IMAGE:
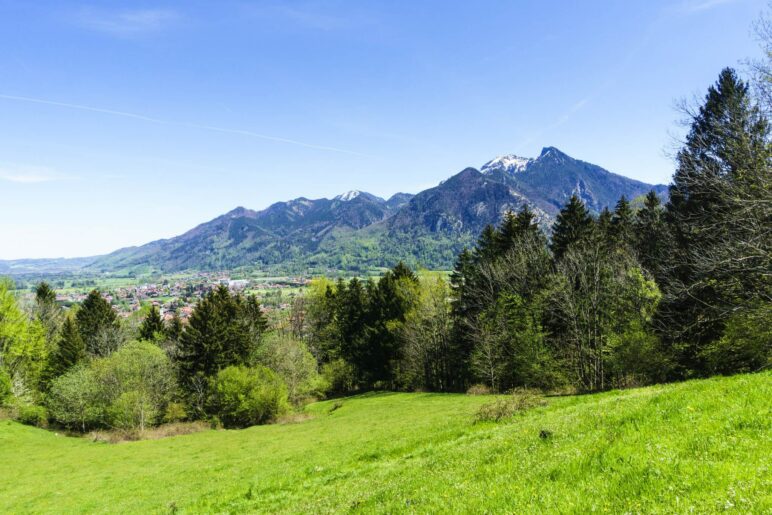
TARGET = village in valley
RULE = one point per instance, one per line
(179, 294)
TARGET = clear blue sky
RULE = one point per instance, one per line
(124, 122)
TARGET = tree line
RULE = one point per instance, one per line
(639, 294)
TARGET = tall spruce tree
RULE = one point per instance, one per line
(650, 235)
(216, 337)
(603, 226)
(98, 324)
(152, 327)
(44, 294)
(515, 227)
(719, 214)
(173, 328)
(622, 223)
(526, 222)
(70, 350)
(573, 224)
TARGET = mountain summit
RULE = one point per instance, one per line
(357, 228)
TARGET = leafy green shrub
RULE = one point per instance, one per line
(635, 357)
(519, 400)
(132, 410)
(32, 415)
(136, 382)
(130, 389)
(242, 396)
(297, 367)
(74, 399)
(6, 387)
(746, 345)
(175, 412)
(338, 376)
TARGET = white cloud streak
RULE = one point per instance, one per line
(28, 174)
(696, 6)
(127, 22)
(213, 128)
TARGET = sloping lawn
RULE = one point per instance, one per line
(702, 446)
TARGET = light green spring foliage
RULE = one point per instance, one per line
(22, 343)
(291, 360)
(244, 396)
(130, 390)
(73, 400)
(700, 446)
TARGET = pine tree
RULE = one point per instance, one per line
(461, 311)
(603, 226)
(70, 351)
(173, 328)
(152, 327)
(526, 221)
(351, 315)
(573, 224)
(514, 228)
(486, 249)
(719, 212)
(254, 319)
(97, 323)
(622, 223)
(215, 337)
(650, 234)
(507, 234)
(44, 294)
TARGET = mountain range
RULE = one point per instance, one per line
(358, 229)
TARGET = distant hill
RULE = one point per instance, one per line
(357, 229)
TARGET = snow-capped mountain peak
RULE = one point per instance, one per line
(349, 195)
(508, 163)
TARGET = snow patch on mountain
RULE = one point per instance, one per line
(349, 195)
(508, 163)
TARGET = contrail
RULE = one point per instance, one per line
(159, 121)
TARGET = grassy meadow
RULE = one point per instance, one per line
(700, 446)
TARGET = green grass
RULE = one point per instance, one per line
(699, 446)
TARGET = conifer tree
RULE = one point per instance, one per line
(69, 351)
(604, 225)
(351, 316)
(44, 294)
(507, 234)
(622, 223)
(486, 249)
(215, 337)
(97, 323)
(173, 328)
(572, 225)
(526, 221)
(253, 318)
(152, 326)
(514, 228)
(650, 234)
(719, 214)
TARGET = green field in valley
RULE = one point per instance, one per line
(700, 446)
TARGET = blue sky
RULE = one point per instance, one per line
(124, 122)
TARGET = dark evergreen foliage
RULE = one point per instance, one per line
(152, 326)
(223, 330)
(70, 351)
(572, 225)
(719, 215)
(96, 321)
